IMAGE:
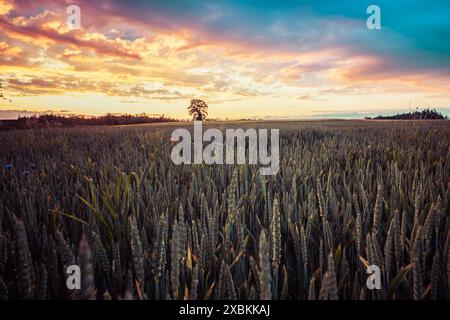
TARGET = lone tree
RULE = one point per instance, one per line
(198, 109)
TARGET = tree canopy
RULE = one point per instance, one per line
(426, 114)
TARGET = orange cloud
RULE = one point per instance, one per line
(5, 7)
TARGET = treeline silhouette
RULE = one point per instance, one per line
(52, 120)
(426, 114)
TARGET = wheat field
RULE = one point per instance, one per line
(348, 194)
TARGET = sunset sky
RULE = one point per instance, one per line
(258, 59)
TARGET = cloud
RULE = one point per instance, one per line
(47, 26)
(304, 52)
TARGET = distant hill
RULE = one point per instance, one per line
(426, 114)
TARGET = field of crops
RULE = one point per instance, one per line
(109, 199)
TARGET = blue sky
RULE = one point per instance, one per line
(243, 57)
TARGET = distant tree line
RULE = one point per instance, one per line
(51, 120)
(107, 119)
(426, 114)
